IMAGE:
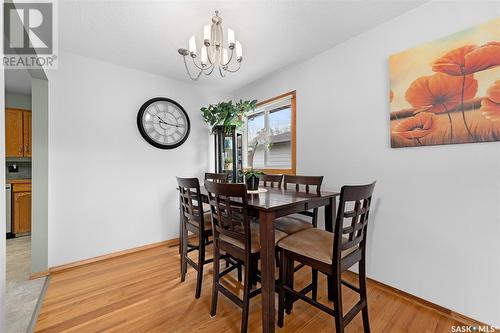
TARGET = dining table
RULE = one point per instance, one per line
(270, 204)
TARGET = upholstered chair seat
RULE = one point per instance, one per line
(313, 243)
(291, 224)
(255, 242)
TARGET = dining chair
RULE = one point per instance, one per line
(271, 180)
(217, 177)
(194, 220)
(295, 223)
(236, 236)
(222, 177)
(331, 254)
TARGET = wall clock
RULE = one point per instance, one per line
(163, 123)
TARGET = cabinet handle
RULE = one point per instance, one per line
(20, 150)
(27, 149)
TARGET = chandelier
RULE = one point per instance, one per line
(215, 53)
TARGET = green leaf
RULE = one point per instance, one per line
(227, 114)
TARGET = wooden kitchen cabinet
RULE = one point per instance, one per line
(18, 134)
(21, 213)
(27, 133)
(14, 135)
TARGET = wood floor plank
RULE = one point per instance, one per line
(142, 292)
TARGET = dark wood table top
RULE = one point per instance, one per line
(278, 198)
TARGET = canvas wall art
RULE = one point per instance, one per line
(447, 91)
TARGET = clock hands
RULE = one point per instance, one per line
(163, 121)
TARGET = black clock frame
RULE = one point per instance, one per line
(143, 131)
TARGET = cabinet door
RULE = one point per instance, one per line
(22, 212)
(13, 133)
(27, 133)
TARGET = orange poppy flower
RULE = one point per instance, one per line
(416, 127)
(469, 59)
(439, 93)
(490, 105)
(453, 61)
(493, 92)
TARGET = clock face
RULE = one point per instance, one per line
(163, 123)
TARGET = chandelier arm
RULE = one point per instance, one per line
(234, 70)
(230, 58)
(194, 78)
(212, 67)
(201, 68)
(221, 72)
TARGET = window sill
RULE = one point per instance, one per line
(278, 171)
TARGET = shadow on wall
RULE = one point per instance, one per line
(374, 209)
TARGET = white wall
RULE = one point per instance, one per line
(436, 217)
(109, 190)
(16, 100)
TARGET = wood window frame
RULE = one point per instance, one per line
(293, 103)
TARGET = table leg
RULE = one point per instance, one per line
(266, 220)
(181, 216)
(330, 214)
(329, 225)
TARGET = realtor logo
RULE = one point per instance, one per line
(29, 31)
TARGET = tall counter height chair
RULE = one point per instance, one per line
(194, 220)
(295, 223)
(235, 235)
(217, 177)
(331, 254)
(273, 181)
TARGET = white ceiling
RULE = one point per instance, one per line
(18, 81)
(146, 34)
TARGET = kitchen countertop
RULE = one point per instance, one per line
(18, 181)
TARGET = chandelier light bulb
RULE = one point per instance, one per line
(230, 37)
(204, 56)
(207, 34)
(192, 45)
(239, 51)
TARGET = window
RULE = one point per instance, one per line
(271, 135)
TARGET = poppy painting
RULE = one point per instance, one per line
(447, 91)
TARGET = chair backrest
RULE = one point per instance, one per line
(217, 177)
(190, 199)
(351, 224)
(303, 183)
(271, 180)
(228, 206)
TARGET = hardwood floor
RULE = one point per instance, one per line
(141, 292)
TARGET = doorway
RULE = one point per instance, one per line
(26, 173)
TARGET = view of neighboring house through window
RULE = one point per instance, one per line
(271, 135)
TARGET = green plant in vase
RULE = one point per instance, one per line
(252, 178)
(227, 114)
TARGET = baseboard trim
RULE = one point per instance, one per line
(37, 275)
(61, 268)
(38, 307)
(422, 302)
